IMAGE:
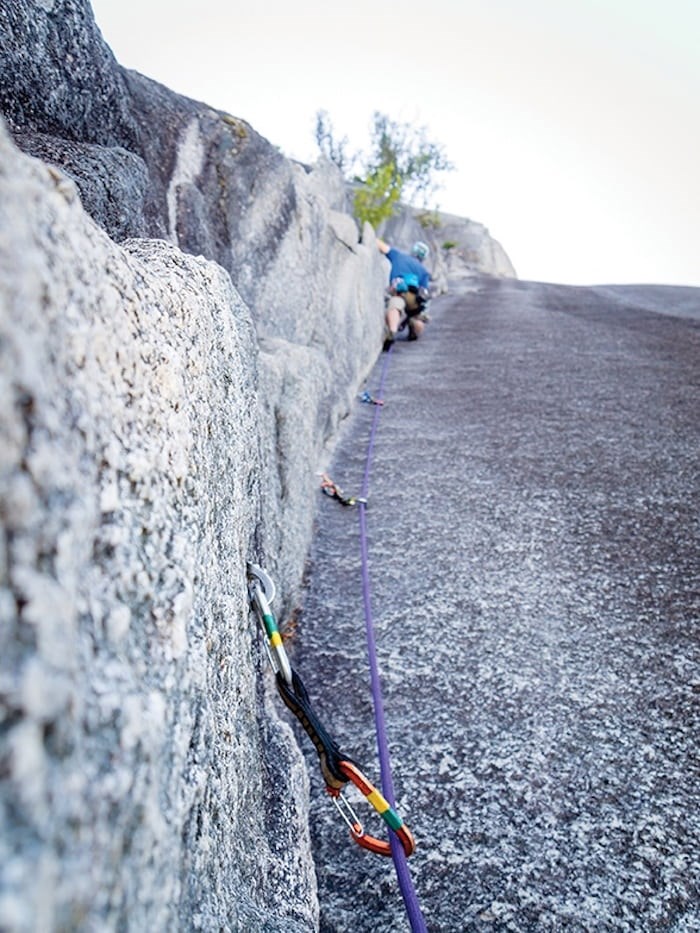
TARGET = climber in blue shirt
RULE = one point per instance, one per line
(408, 294)
(402, 263)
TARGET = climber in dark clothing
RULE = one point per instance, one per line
(409, 283)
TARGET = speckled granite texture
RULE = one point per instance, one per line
(145, 780)
(533, 523)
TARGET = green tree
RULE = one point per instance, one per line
(378, 195)
(415, 157)
(401, 165)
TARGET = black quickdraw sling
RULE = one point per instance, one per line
(337, 769)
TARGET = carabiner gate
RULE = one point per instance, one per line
(347, 813)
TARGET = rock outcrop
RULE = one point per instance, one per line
(150, 163)
(147, 782)
(185, 318)
(535, 606)
(156, 436)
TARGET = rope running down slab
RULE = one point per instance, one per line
(403, 875)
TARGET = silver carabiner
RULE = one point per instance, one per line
(268, 586)
(262, 593)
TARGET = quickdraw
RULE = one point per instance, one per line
(329, 488)
(337, 769)
(370, 399)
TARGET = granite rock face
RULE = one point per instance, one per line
(535, 584)
(152, 444)
(149, 162)
(147, 782)
(160, 433)
(161, 426)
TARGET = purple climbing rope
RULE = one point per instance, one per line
(403, 875)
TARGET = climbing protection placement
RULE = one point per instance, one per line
(337, 768)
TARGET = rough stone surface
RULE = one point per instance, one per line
(149, 162)
(161, 165)
(533, 539)
(160, 433)
(59, 77)
(147, 781)
(112, 183)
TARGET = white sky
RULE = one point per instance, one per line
(574, 125)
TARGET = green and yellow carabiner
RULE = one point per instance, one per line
(262, 592)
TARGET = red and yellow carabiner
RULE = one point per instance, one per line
(380, 804)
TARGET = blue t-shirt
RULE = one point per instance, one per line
(403, 264)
